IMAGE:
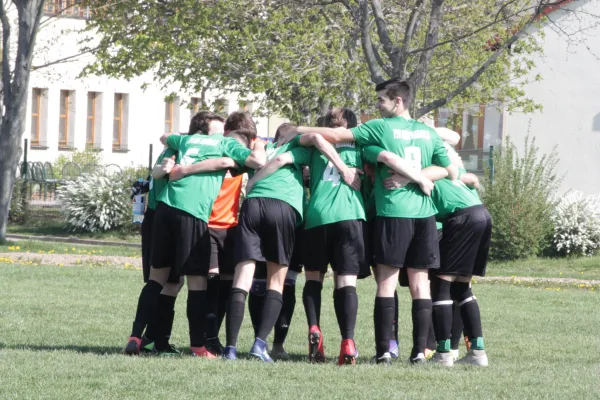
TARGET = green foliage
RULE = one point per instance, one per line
(81, 158)
(16, 212)
(298, 58)
(520, 198)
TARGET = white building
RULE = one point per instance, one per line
(113, 116)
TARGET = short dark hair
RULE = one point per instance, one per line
(340, 117)
(240, 120)
(398, 88)
(201, 120)
(242, 135)
(284, 130)
(321, 121)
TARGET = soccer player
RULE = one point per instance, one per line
(266, 233)
(221, 225)
(203, 121)
(405, 222)
(181, 239)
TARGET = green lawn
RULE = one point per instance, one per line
(579, 268)
(34, 246)
(43, 226)
(62, 330)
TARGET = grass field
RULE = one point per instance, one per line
(39, 247)
(578, 268)
(44, 226)
(62, 331)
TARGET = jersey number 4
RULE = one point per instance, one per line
(332, 174)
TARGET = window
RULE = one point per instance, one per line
(118, 121)
(220, 106)
(66, 120)
(36, 116)
(172, 114)
(66, 8)
(92, 138)
(245, 106)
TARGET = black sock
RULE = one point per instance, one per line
(285, 316)
(270, 313)
(339, 311)
(146, 308)
(396, 315)
(442, 313)
(311, 296)
(421, 318)
(384, 317)
(166, 314)
(431, 340)
(255, 307)
(235, 315)
(224, 293)
(196, 313)
(469, 309)
(349, 300)
(457, 327)
(212, 306)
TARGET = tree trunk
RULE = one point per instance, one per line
(11, 154)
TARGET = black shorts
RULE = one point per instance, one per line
(465, 243)
(407, 242)
(147, 227)
(369, 260)
(266, 231)
(298, 255)
(181, 242)
(340, 244)
(221, 249)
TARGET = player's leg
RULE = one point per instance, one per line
(256, 296)
(162, 258)
(442, 318)
(457, 331)
(212, 291)
(160, 327)
(284, 321)
(226, 272)
(247, 251)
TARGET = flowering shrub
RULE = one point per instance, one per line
(576, 225)
(95, 203)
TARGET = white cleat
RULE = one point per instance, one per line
(454, 354)
(475, 357)
(444, 359)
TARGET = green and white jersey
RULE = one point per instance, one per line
(157, 185)
(332, 200)
(285, 184)
(195, 194)
(449, 196)
(418, 144)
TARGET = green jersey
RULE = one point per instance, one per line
(331, 199)
(195, 194)
(418, 144)
(157, 185)
(368, 191)
(285, 184)
(449, 196)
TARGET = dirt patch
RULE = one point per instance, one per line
(70, 259)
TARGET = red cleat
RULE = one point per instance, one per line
(347, 353)
(133, 346)
(202, 352)
(316, 353)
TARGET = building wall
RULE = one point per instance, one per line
(570, 96)
(144, 121)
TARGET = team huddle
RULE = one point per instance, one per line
(389, 197)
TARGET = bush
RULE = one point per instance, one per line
(576, 225)
(520, 198)
(95, 203)
(16, 212)
(81, 158)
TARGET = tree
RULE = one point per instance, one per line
(300, 56)
(15, 89)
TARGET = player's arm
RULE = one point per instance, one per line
(433, 173)
(332, 135)
(279, 161)
(258, 157)
(470, 179)
(351, 176)
(401, 166)
(211, 164)
(448, 135)
(162, 169)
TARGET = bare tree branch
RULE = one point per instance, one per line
(415, 16)
(382, 31)
(65, 59)
(367, 45)
(468, 82)
(435, 19)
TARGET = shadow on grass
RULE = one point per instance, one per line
(100, 350)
